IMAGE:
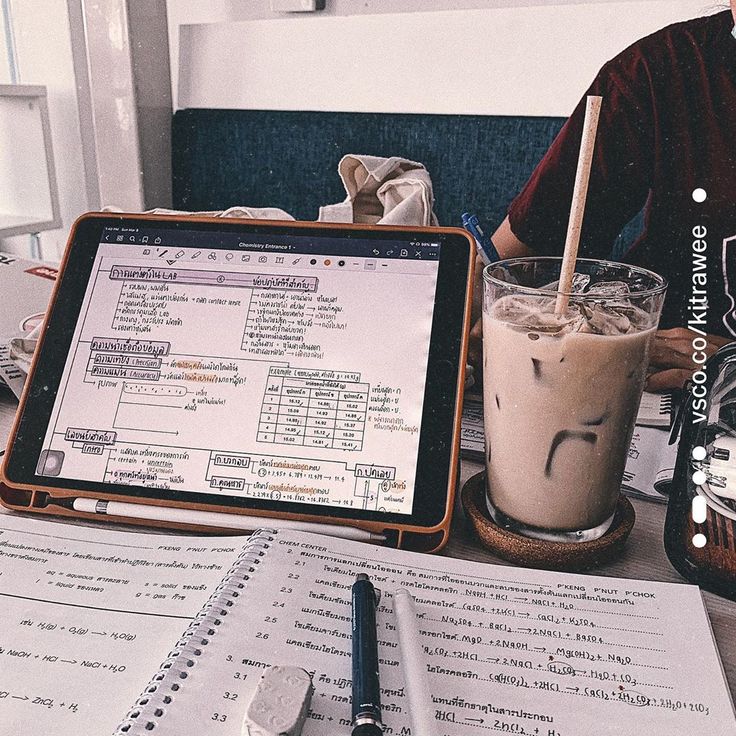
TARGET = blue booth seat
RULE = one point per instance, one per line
(260, 158)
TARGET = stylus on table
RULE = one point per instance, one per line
(413, 665)
(366, 687)
(212, 518)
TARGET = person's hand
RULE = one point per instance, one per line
(475, 349)
(671, 361)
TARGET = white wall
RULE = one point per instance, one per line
(44, 57)
(182, 12)
(493, 60)
(492, 57)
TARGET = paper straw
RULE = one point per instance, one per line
(413, 664)
(579, 194)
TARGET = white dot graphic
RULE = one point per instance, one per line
(699, 509)
(699, 477)
(699, 195)
(699, 540)
(699, 453)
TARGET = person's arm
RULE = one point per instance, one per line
(507, 244)
(537, 218)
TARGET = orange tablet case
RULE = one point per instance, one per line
(22, 497)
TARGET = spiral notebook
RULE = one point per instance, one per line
(88, 616)
(655, 410)
(507, 649)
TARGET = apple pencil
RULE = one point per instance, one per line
(414, 666)
(212, 518)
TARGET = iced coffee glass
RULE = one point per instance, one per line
(561, 390)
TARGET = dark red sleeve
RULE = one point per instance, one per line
(620, 175)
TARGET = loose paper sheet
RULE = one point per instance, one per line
(651, 464)
(10, 374)
(88, 615)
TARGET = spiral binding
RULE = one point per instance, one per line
(161, 691)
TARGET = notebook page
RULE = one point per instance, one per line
(521, 651)
(472, 439)
(650, 466)
(88, 615)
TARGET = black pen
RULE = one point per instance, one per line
(366, 688)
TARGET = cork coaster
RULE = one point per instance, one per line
(569, 556)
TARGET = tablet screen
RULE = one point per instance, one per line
(281, 367)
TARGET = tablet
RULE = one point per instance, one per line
(304, 370)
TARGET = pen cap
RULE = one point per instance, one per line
(366, 729)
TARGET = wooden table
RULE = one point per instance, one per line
(643, 558)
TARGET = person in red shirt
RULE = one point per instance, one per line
(666, 139)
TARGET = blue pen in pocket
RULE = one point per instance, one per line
(486, 250)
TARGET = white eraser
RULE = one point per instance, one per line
(280, 703)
